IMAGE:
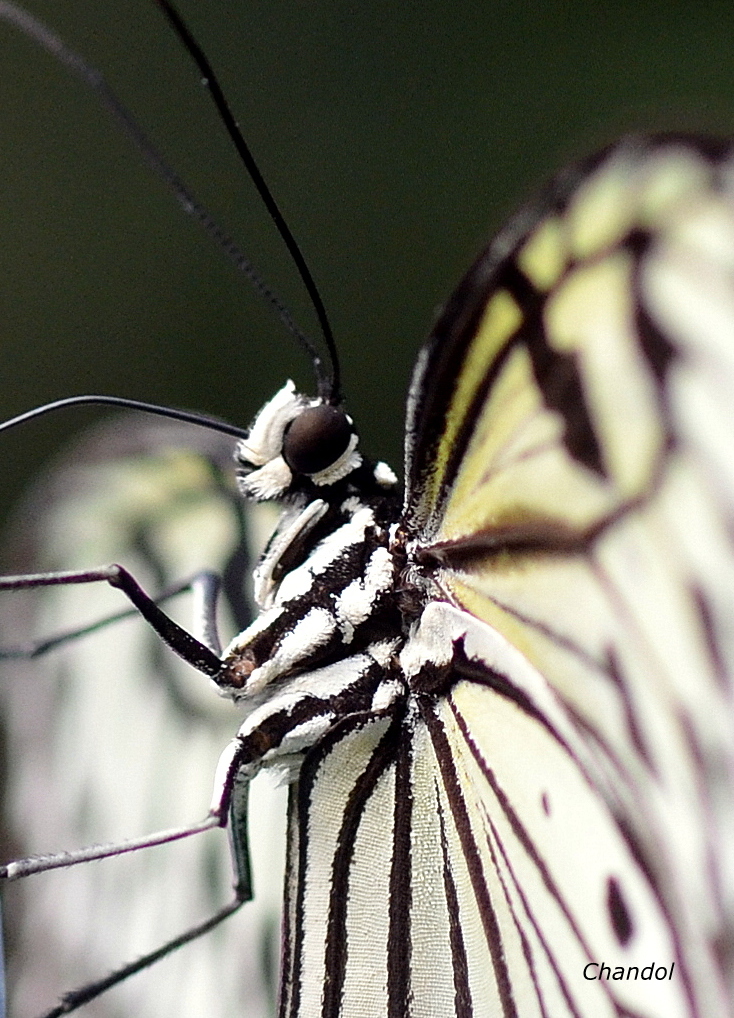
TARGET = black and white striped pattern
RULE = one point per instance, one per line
(447, 856)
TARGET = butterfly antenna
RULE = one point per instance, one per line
(51, 42)
(202, 420)
(243, 150)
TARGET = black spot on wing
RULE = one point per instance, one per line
(619, 914)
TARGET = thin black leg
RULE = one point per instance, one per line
(77, 998)
(37, 648)
(194, 651)
(235, 803)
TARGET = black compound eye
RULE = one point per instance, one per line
(316, 439)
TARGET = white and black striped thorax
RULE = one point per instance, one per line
(332, 620)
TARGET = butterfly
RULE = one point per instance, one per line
(501, 700)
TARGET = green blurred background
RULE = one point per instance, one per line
(396, 136)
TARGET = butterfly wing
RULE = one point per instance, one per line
(470, 838)
(110, 735)
(570, 485)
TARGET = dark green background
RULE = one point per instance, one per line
(396, 136)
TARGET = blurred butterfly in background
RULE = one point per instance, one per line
(160, 498)
(500, 701)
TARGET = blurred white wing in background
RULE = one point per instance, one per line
(111, 736)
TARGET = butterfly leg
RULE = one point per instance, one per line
(238, 798)
(204, 586)
(196, 652)
(84, 994)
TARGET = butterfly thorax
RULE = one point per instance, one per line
(334, 598)
(331, 621)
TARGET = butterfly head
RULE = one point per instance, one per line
(296, 442)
